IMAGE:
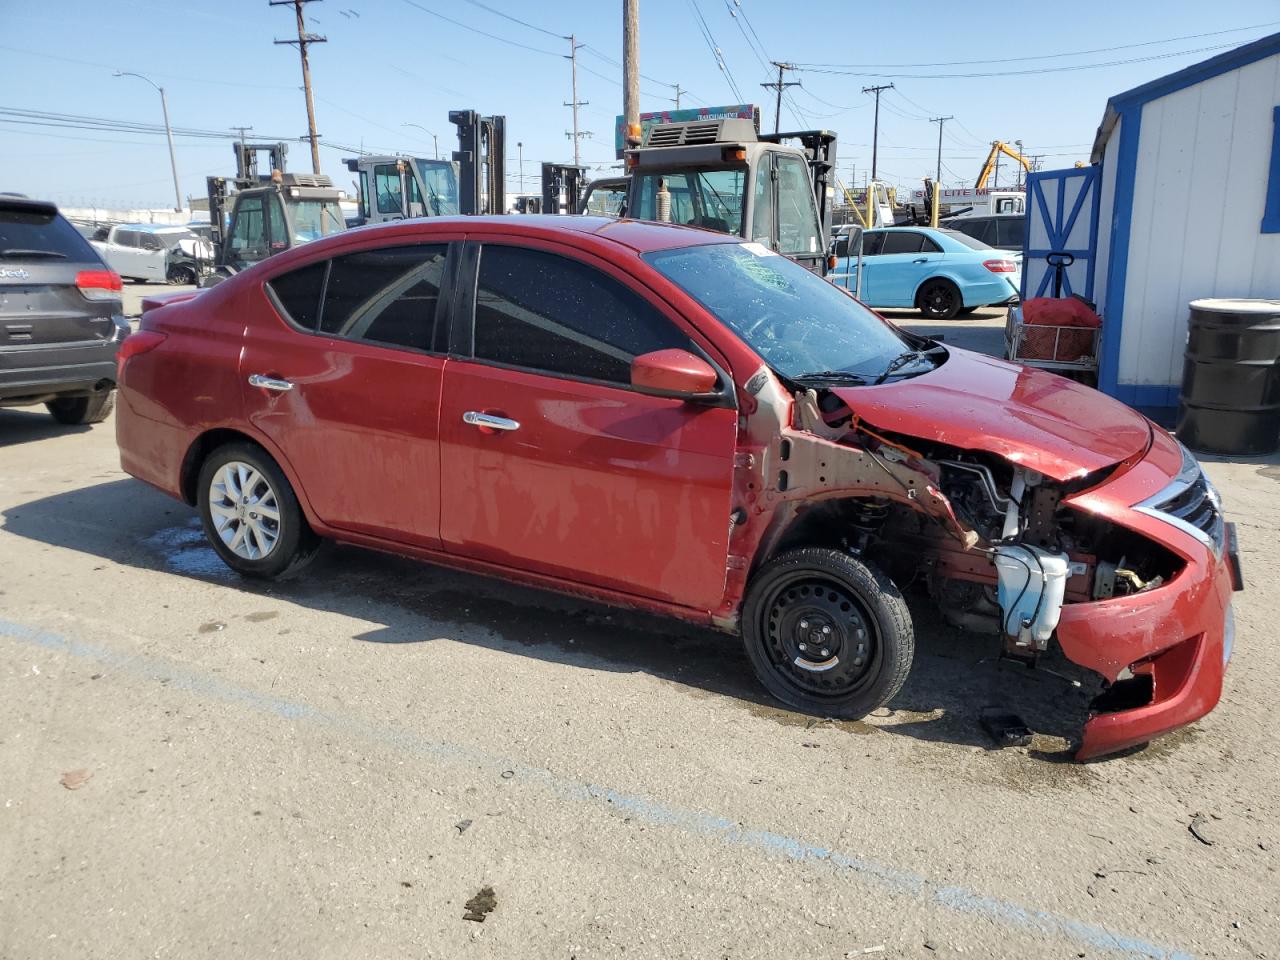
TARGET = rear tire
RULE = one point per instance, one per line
(251, 515)
(939, 300)
(827, 633)
(75, 411)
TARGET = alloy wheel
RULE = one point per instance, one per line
(244, 510)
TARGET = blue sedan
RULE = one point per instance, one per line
(942, 273)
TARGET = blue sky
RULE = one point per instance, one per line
(391, 62)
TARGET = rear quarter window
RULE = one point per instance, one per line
(41, 234)
(298, 293)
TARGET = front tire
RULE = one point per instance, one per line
(75, 411)
(251, 515)
(180, 274)
(827, 633)
(939, 300)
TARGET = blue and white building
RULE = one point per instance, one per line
(1182, 202)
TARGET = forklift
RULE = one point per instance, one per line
(562, 186)
(402, 188)
(775, 189)
(255, 215)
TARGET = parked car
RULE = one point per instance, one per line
(61, 315)
(155, 253)
(1001, 231)
(942, 273)
(659, 417)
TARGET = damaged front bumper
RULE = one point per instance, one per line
(1162, 652)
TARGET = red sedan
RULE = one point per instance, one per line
(662, 417)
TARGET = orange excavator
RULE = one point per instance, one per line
(998, 147)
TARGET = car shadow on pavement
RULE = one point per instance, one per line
(953, 680)
(26, 425)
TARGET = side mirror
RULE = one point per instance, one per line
(673, 373)
(842, 247)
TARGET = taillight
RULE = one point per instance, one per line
(135, 344)
(1000, 266)
(99, 284)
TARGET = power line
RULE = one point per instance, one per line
(507, 16)
(715, 49)
(1016, 73)
(1051, 56)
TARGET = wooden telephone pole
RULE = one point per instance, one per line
(780, 86)
(305, 40)
(875, 135)
(631, 73)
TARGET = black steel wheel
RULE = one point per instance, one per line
(939, 300)
(827, 633)
(182, 274)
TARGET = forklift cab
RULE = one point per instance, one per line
(268, 220)
(719, 175)
(401, 188)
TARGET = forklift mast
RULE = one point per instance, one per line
(247, 160)
(481, 162)
(562, 185)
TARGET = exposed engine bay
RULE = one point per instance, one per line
(994, 542)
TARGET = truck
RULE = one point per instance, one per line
(256, 215)
(774, 189)
(156, 253)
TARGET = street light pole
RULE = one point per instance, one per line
(168, 132)
(435, 142)
(520, 149)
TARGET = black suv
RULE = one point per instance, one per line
(61, 315)
(1005, 231)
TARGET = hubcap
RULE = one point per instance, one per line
(244, 510)
(820, 637)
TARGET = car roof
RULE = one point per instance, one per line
(640, 236)
(153, 227)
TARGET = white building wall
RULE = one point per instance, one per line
(1203, 162)
(1106, 204)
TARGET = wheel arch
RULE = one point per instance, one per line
(210, 440)
(945, 276)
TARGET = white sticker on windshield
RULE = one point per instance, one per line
(759, 249)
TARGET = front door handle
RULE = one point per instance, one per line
(269, 383)
(477, 419)
(921, 260)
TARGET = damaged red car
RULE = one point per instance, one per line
(660, 417)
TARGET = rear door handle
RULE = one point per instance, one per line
(269, 383)
(477, 419)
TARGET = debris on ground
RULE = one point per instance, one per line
(508, 774)
(480, 905)
(462, 826)
(1005, 728)
(1197, 825)
(75, 779)
(878, 948)
(213, 626)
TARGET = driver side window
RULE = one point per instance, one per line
(762, 214)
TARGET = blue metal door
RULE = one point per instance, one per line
(1061, 243)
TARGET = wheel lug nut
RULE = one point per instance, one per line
(804, 624)
(804, 647)
(826, 631)
(826, 652)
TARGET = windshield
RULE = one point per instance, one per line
(440, 183)
(605, 201)
(797, 322)
(313, 219)
(714, 199)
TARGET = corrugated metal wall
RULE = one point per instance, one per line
(1203, 163)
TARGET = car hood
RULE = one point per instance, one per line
(1036, 419)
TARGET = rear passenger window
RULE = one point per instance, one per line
(927, 245)
(548, 313)
(1011, 232)
(385, 296)
(902, 243)
(299, 293)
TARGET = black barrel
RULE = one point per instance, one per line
(1230, 399)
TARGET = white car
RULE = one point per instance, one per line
(158, 254)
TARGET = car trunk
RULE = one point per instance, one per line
(46, 306)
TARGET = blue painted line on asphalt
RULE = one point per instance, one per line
(958, 899)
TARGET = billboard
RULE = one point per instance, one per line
(744, 111)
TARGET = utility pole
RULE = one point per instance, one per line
(304, 40)
(996, 173)
(875, 135)
(574, 47)
(630, 75)
(168, 132)
(937, 177)
(1019, 171)
(520, 148)
(677, 96)
(780, 86)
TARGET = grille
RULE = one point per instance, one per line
(1195, 507)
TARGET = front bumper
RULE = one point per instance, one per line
(1164, 652)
